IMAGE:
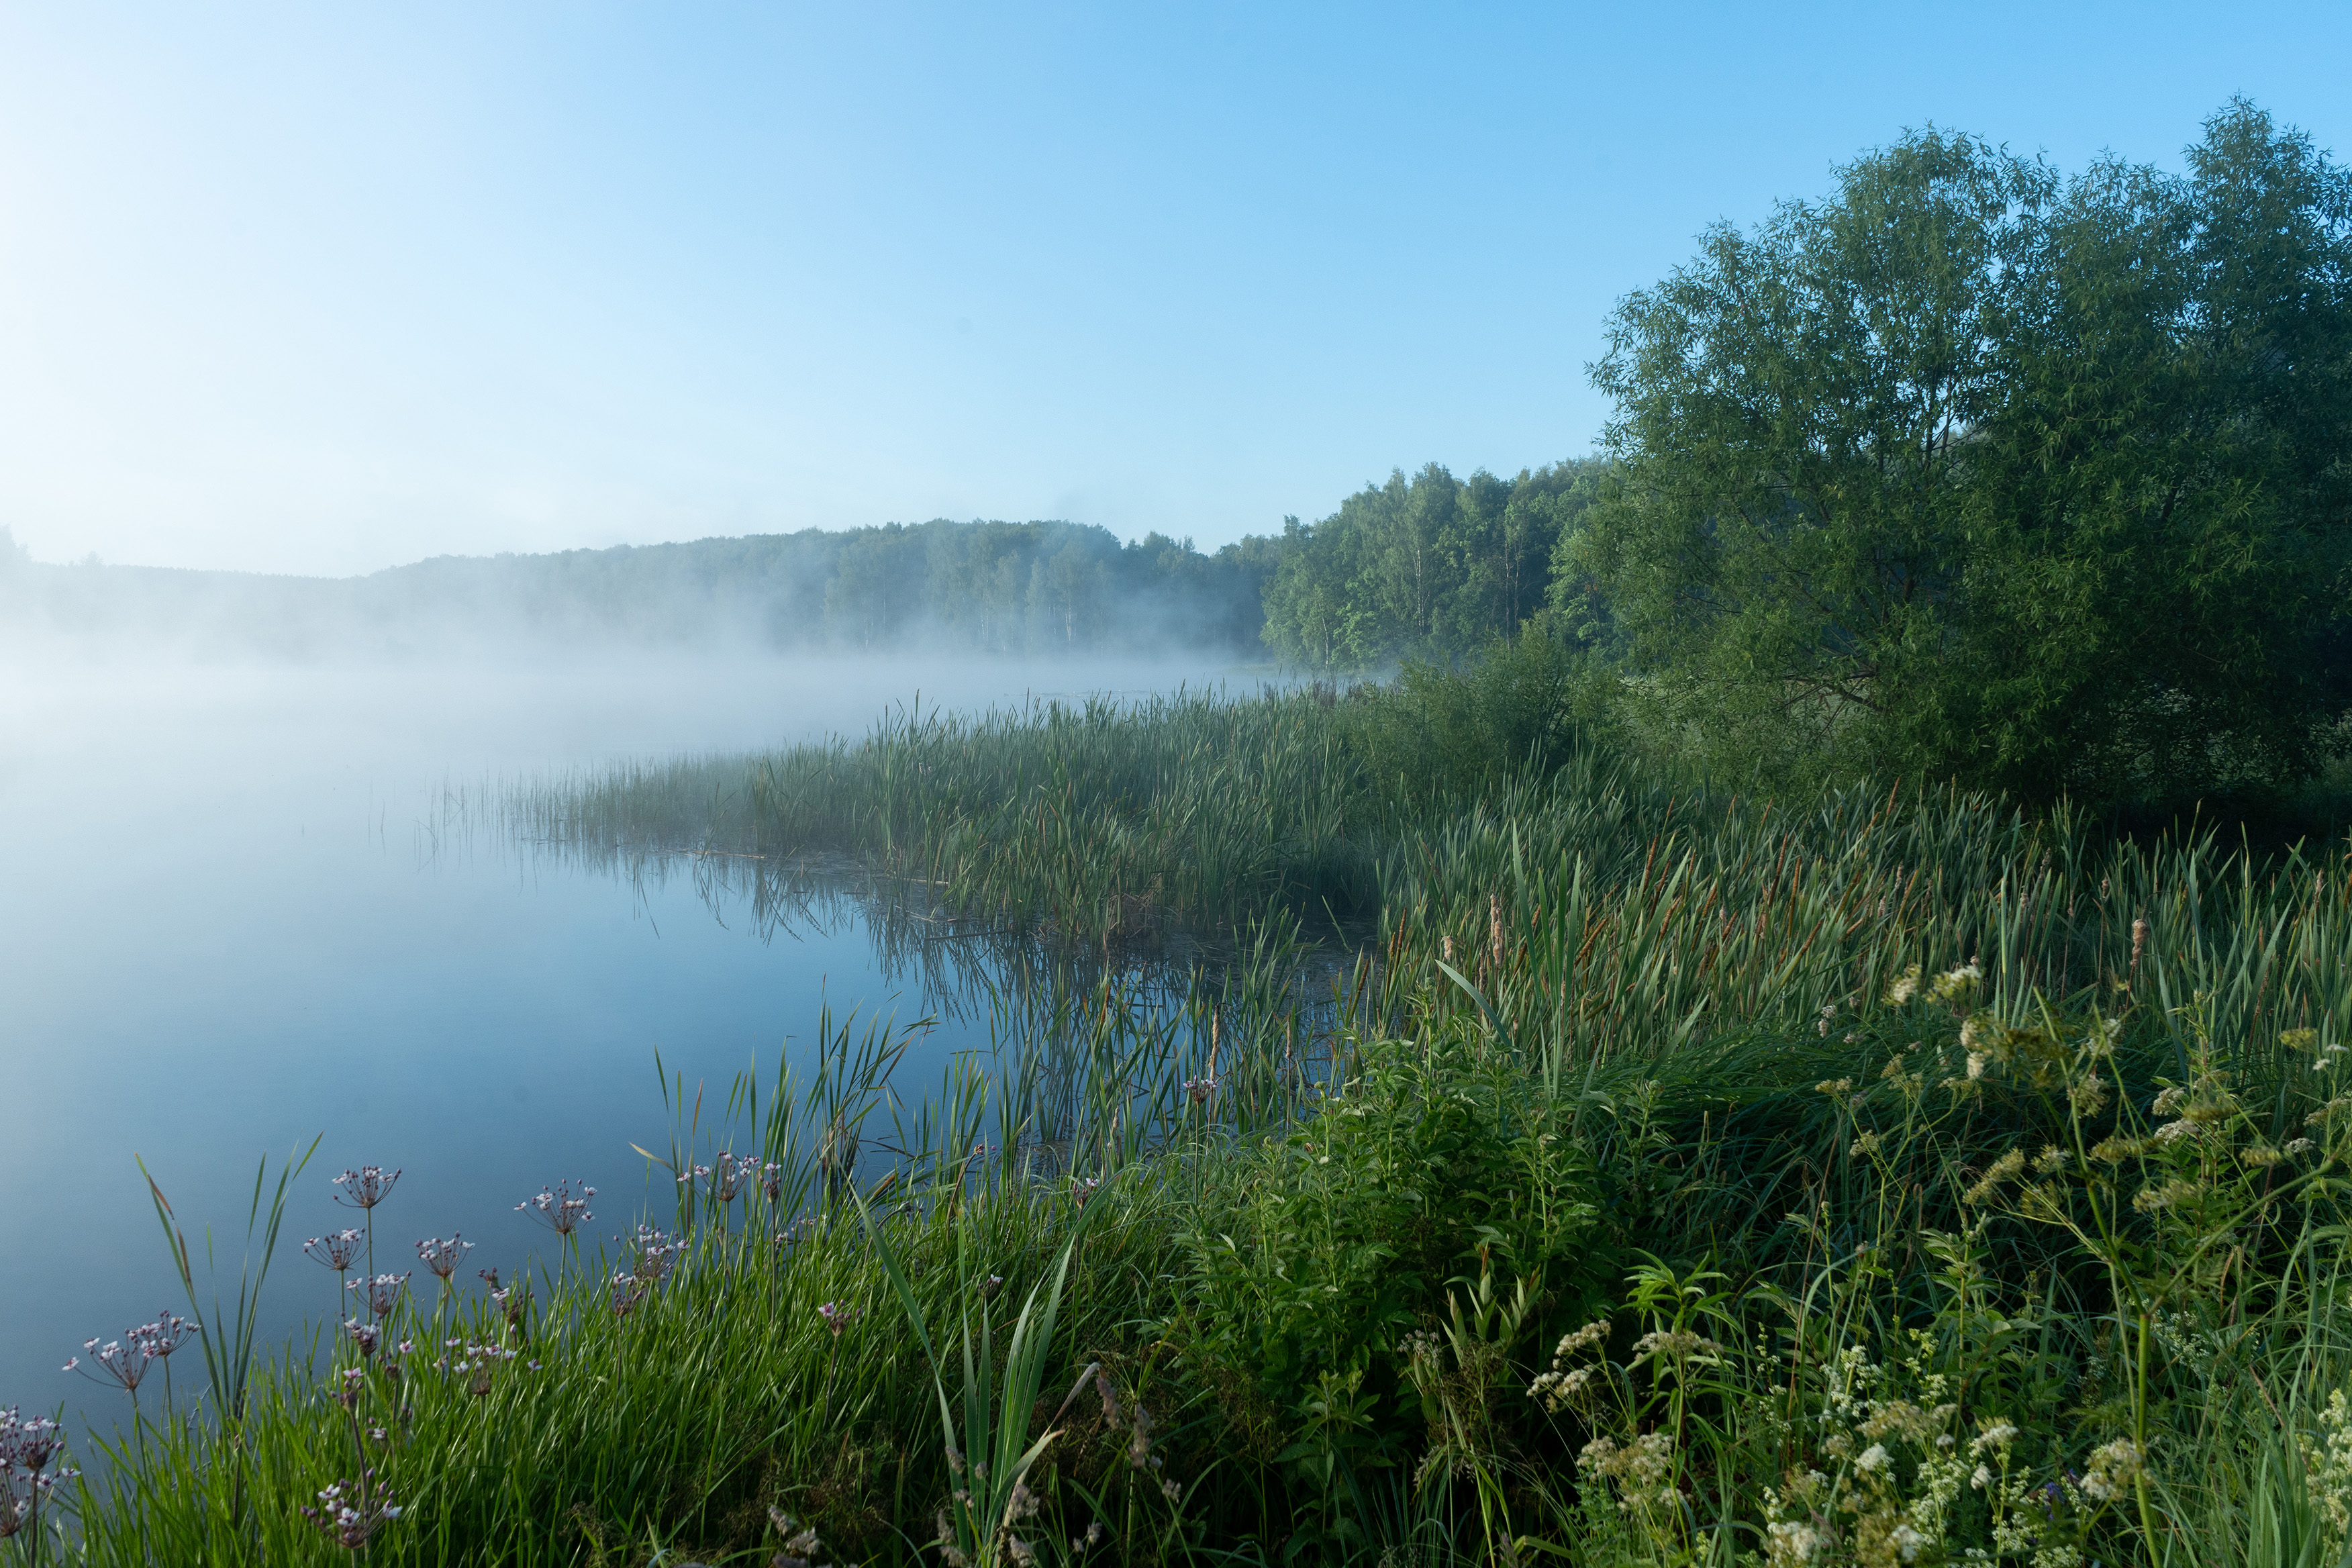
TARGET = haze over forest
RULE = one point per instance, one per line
(1422, 565)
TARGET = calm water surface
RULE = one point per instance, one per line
(232, 919)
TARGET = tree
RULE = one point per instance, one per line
(1426, 567)
(1971, 471)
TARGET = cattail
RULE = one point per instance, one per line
(1494, 927)
(2140, 941)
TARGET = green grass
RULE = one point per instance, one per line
(1615, 1051)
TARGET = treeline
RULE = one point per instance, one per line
(1970, 471)
(1427, 567)
(1045, 587)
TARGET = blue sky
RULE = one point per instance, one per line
(329, 287)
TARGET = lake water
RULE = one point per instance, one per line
(234, 916)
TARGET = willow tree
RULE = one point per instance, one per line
(1974, 471)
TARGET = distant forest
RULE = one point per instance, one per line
(1430, 567)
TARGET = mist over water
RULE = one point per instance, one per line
(247, 904)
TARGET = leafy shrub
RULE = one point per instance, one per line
(1522, 704)
(1434, 1163)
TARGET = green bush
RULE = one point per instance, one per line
(1522, 705)
(1433, 1165)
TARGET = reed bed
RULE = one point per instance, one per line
(1552, 1162)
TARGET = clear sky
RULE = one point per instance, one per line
(325, 287)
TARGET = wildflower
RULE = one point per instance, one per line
(656, 1254)
(442, 1257)
(2261, 1155)
(1864, 1146)
(1788, 1541)
(350, 1517)
(1873, 1457)
(26, 1447)
(1833, 1085)
(1905, 989)
(733, 1177)
(1976, 1064)
(381, 1292)
(2299, 1039)
(2112, 1469)
(1083, 1188)
(1982, 1477)
(1907, 1542)
(365, 1187)
(558, 1208)
(2299, 1147)
(1999, 1435)
(118, 1362)
(1200, 1089)
(836, 1317)
(1583, 1338)
(512, 1301)
(336, 1251)
(1556, 1390)
(367, 1336)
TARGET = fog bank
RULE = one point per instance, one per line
(997, 588)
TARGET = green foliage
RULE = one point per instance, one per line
(1431, 567)
(1521, 706)
(1972, 472)
(990, 1454)
(1773, 1136)
(1428, 1162)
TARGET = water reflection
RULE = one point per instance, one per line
(237, 913)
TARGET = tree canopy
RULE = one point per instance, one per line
(1975, 472)
(1430, 567)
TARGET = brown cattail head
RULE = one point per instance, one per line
(1494, 927)
(2140, 941)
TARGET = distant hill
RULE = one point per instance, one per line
(985, 587)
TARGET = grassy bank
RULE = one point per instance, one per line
(1677, 1176)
